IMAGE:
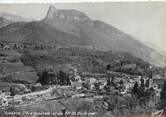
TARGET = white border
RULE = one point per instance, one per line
(73, 1)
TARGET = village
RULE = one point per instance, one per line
(88, 83)
(85, 85)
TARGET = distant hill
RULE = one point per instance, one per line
(14, 18)
(7, 18)
(38, 32)
(72, 27)
(4, 22)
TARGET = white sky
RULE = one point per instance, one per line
(146, 21)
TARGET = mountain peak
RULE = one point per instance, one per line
(51, 11)
(69, 15)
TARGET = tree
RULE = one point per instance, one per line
(135, 89)
(108, 67)
(143, 95)
(17, 89)
(63, 78)
(149, 95)
(97, 86)
(147, 83)
(108, 84)
(150, 73)
(163, 96)
(47, 77)
(138, 92)
(142, 86)
(121, 82)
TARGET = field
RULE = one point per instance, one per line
(15, 67)
(9, 53)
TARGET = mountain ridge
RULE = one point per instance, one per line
(4, 22)
(14, 17)
(105, 37)
(72, 27)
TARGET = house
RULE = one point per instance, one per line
(78, 95)
(98, 97)
(4, 94)
(6, 47)
(102, 84)
(18, 99)
(73, 75)
(76, 85)
(5, 98)
(159, 82)
(94, 75)
(90, 82)
(4, 102)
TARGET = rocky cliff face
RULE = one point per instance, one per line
(66, 15)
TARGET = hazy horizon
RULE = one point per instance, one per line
(144, 21)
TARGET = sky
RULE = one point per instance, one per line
(145, 21)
